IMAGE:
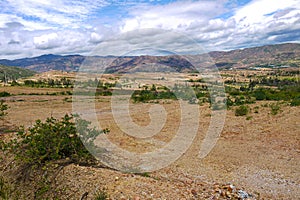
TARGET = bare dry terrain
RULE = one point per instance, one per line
(259, 155)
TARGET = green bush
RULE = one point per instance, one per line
(148, 95)
(295, 102)
(275, 108)
(3, 108)
(229, 102)
(232, 91)
(4, 94)
(242, 110)
(260, 95)
(14, 83)
(53, 140)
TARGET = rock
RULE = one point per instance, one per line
(228, 194)
(194, 192)
(223, 194)
(218, 191)
(242, 194)
(216, 186)
(231, 188)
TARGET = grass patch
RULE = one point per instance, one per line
(101, 195)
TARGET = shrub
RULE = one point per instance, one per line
(229, 102)
(3, 108)
(295, 102)
(4, 94)
(249, 117)
(275, 108)
(102, 195)
(260, 95)
(53, 140)
(5, 190)
(242, 110)
(14, 83)
(148, 95)
(232, 91)
(256, 109)
(145, 174)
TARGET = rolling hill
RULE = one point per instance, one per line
(13, 73)
(280, 54)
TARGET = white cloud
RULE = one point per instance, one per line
(96, 38)
(28, 25)
(56, 12)
(260, 11)
(47, 41)
(34, 27)
(178, 15)
(259, 22)
(152, 40)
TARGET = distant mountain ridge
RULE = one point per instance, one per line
(279, 54)
(47, 62)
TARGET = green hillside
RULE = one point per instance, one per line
(13, 73)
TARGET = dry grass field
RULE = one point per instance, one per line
(258, 153)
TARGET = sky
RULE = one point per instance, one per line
(31, 28)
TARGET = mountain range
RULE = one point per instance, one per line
(276, 55)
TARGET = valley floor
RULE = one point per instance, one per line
(259, 156)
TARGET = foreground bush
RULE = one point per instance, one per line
(242, 110)
(53, 140)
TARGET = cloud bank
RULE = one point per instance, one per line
(32, 27)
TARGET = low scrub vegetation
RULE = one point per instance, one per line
(287, 93)
(5, 189)
(179, 91)
(43, 149)
(275, 108)
(5, 94)
(52, 83)
(241, 110)
(3, 108)
(54, 140)
(101, 195)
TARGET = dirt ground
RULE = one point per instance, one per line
(260, 155)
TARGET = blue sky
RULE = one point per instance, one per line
(32, 27)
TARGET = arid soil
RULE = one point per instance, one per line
(260, 155)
